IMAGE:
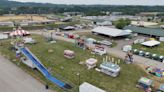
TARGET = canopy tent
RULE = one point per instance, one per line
(90, 40)
(19, 33)
(151, 43)
(86, 87)
(110, 31)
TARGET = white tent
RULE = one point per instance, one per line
(86, 87)
(110, 31)
(151, 43)
(127, 48)
(3, 36)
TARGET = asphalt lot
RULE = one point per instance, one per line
(14, 79)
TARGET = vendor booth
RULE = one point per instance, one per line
(69, 54)
(29, 40)
(100, 50)
(144, 83)
(127, 48)
(91, 63)
(110, 68)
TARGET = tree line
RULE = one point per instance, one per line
(13, 7)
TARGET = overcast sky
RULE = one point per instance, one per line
(111, 2)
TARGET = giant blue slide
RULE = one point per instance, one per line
(43, 70)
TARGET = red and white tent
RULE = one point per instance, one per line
(19, 33)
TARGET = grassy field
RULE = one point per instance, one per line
(22, 17)
(158, 49)
(67, 69)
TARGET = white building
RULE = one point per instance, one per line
(9, 24)
(86, 87)
(112, 32)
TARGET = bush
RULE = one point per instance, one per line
(121, 23)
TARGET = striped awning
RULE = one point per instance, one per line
(19, 33)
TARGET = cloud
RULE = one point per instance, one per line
(110, 2)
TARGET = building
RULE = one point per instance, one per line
(8, 24)
(111, 32)
(65, 27)
(104, 23)
(86, 87)
(156, 32)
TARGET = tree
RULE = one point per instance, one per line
(121, 23)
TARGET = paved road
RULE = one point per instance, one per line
(137, 59)
(14, 79)
(117, 52)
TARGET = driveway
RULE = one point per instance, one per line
(14, 79)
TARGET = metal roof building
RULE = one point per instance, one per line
(112, 32)
(147, 31)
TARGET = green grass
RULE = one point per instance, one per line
(158, 49)
(125, 82)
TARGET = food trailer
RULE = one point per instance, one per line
(110, 68)
(144, 83)
(69, 54)
(100, 50)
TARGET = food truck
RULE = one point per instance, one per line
(110, 68)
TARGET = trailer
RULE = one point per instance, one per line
(110, 68)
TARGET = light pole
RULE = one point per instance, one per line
(78, 74)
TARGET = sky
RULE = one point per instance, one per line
(106, 2)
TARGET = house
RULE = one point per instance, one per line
(111, 32)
